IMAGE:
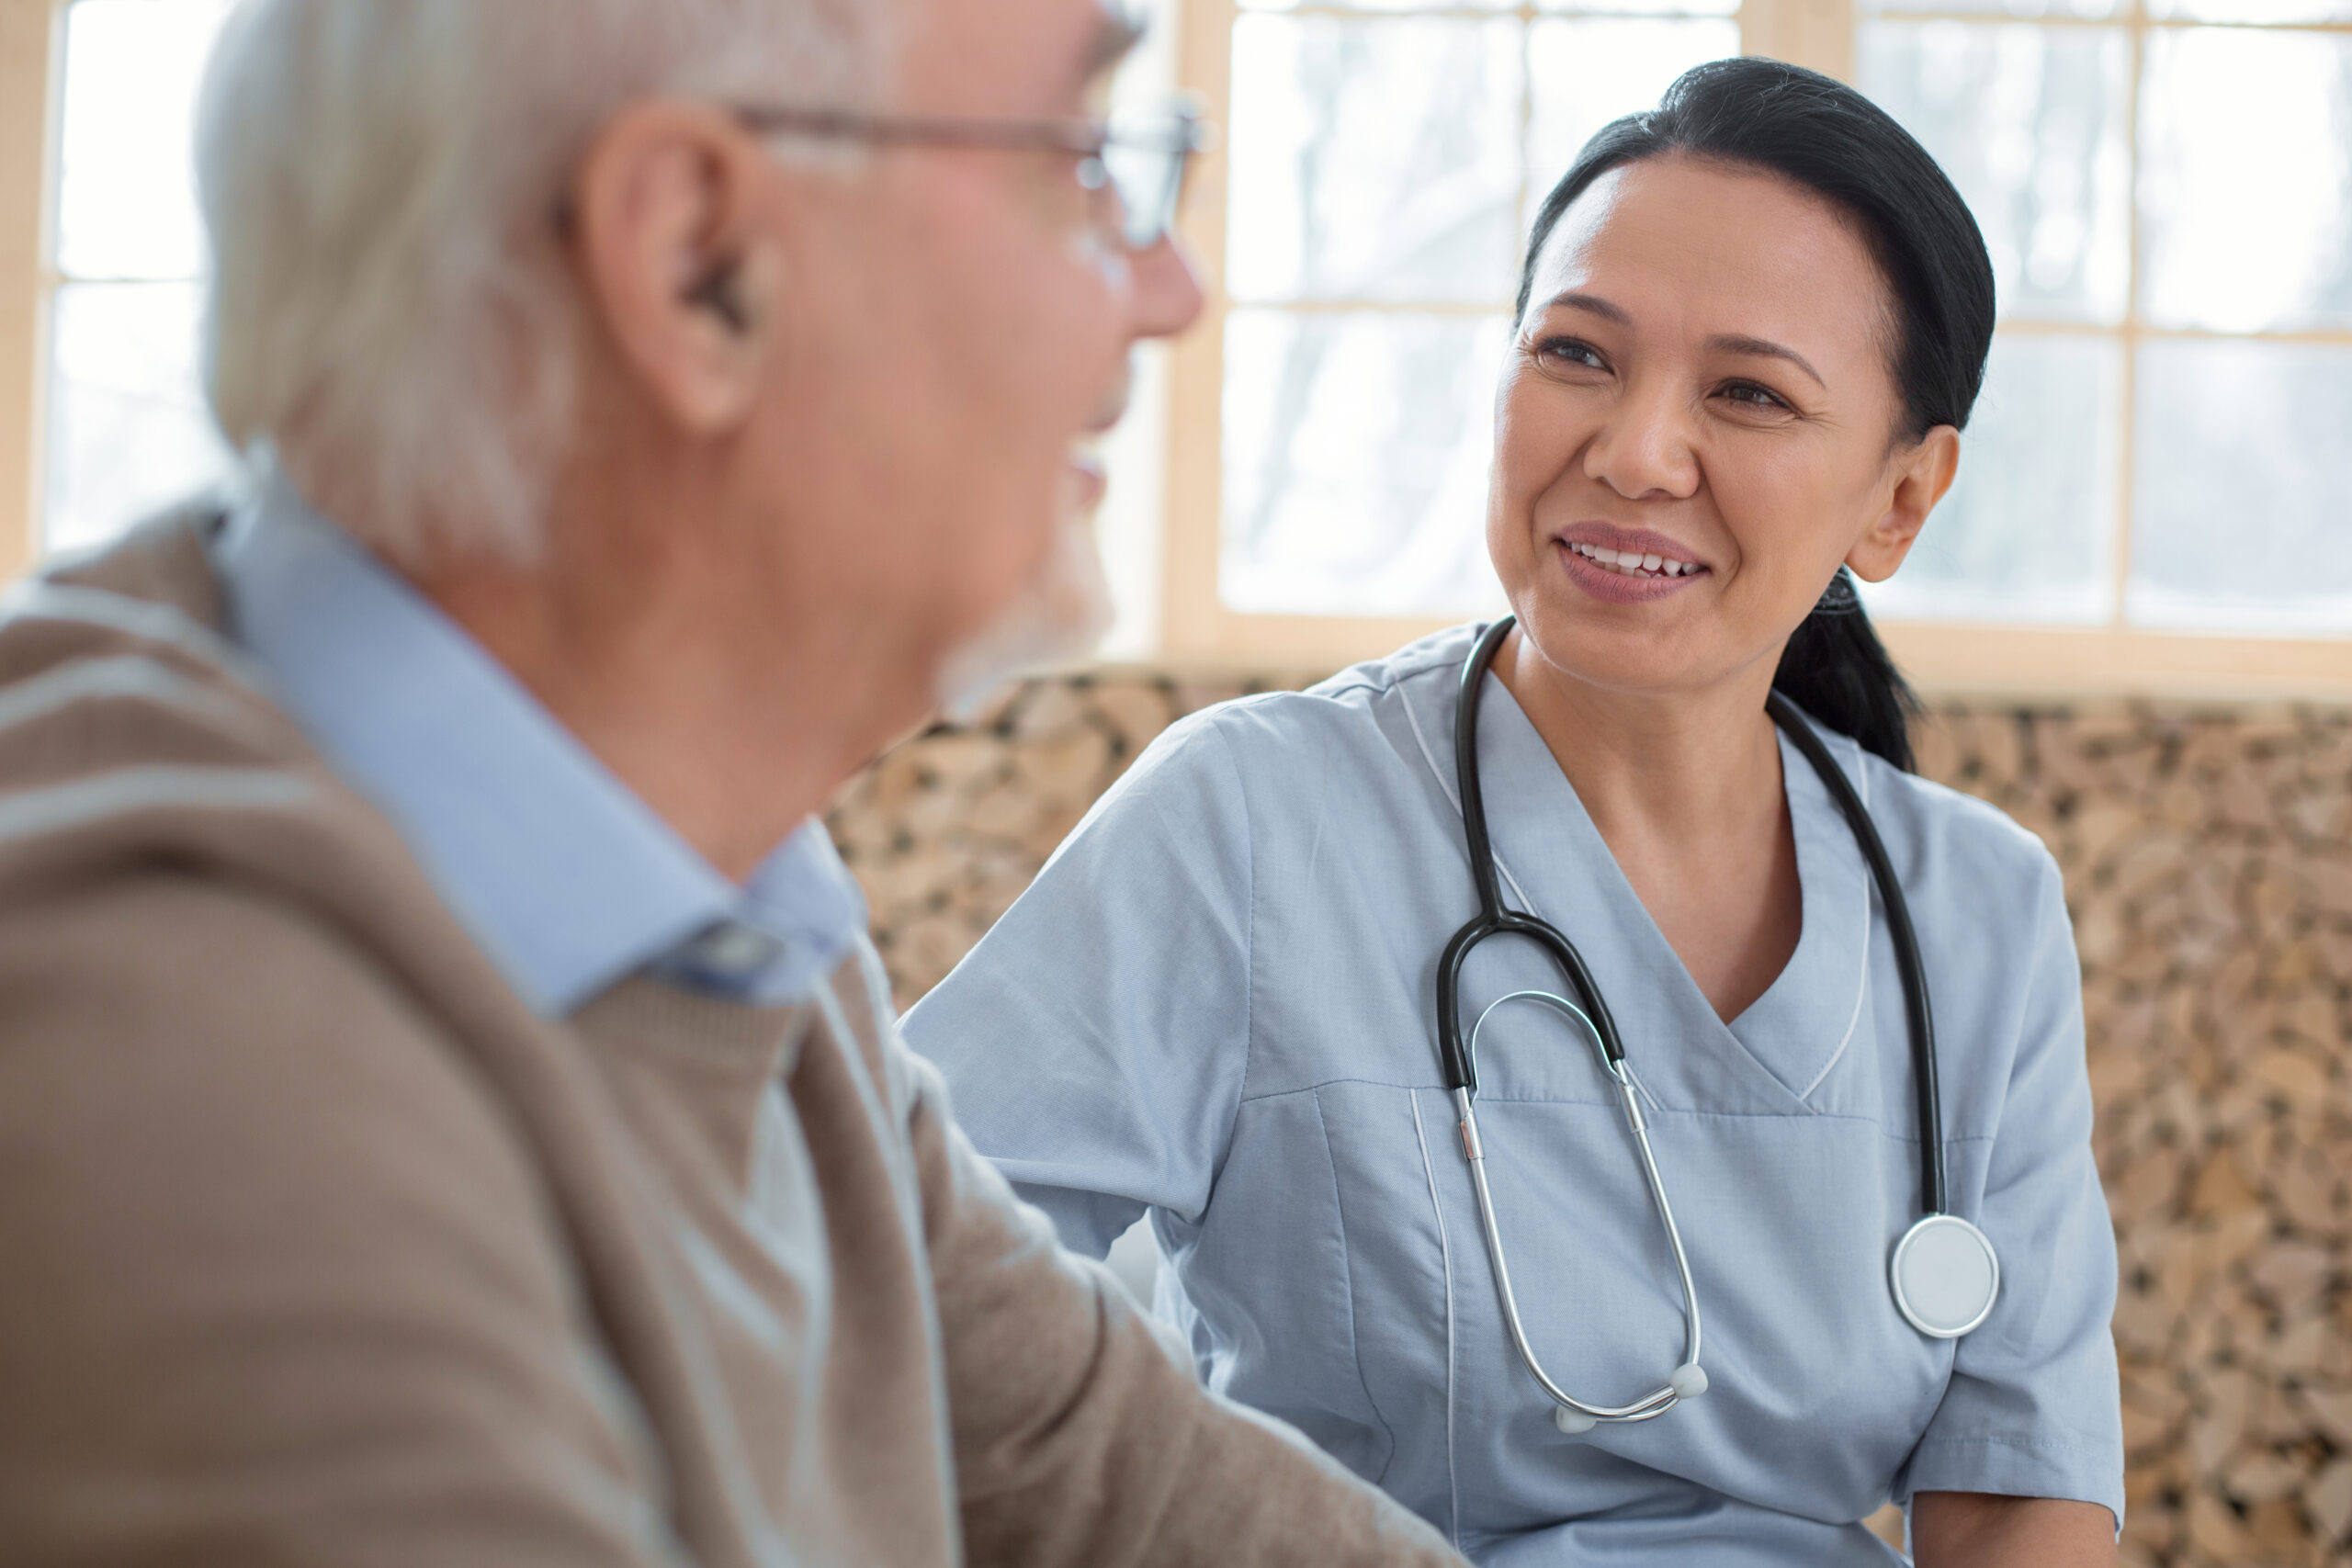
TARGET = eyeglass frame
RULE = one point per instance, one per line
(1183, 136)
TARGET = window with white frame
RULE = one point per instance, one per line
(1385, 162)
(2163, 449)
(128, 429)
(2166, 438)
(2164, 442)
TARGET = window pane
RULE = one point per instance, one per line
(2247, 180)
(126, 196)
(2253, 10)
(2243, 458)
(1356, 450)
(1381, 5)
(2024, 534)
(1586, 73)
(1374, 160)
(129, 432)
(2031, 124)
(1653, 7)
(2089, 10)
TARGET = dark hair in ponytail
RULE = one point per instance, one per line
(1825, 136)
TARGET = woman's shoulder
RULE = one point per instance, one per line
(1265, 737)
(1954, 839)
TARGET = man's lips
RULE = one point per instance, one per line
(1103, 423)
(1090, 481)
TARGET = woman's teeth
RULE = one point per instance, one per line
(1626, 563)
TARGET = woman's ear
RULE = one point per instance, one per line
(1922, 476)
(674, 236)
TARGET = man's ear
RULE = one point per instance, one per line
(1922, 476)
(673, 230)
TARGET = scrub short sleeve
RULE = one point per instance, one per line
(2033, 1408)
(1095, 1041)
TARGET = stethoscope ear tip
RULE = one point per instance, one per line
(1689, 1381)
(1575, 1423)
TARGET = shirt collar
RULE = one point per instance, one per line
(565, 877)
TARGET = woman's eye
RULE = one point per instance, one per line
(1747, 394)
(1570, 351)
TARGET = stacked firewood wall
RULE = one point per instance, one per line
(2208, 857)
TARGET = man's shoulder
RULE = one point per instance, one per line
(270, 1228)
(143, 760)
(204, 934)
(117, 660)
(160, 994)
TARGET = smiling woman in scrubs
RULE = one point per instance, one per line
(1753, 323)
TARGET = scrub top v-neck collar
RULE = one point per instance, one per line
(1767, 1061)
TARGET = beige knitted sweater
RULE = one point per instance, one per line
(318, 1247)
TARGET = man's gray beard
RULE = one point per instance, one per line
(1057, 618)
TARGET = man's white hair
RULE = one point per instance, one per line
(389, 319)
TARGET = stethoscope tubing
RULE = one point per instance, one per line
(1494, 920)
(1654, 1404)
(1925, 1089)
(1661, 1400)
(1459, 1054)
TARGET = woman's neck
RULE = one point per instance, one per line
(1686, 791)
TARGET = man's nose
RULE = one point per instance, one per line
(1645, 449)
(1168, 296)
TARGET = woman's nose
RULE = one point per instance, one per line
(1645, 449)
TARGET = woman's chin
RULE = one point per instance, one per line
(1649, 655)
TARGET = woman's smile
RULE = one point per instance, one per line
(1626, 566)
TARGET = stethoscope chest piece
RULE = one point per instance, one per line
(1945, 1276)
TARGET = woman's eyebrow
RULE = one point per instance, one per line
(1722, 342)
(1732, 343)
(1592, 304)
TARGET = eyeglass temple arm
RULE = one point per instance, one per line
(1187, 134)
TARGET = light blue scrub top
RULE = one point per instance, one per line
(1215, 1006)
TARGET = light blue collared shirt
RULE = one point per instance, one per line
(566, 878)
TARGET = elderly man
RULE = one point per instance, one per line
(448, 1111)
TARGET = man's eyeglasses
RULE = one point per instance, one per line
(1139, 165)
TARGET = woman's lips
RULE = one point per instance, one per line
(1614, 587)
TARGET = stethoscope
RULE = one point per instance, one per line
(1943, 1271)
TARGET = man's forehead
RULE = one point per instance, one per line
(1012, 56)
